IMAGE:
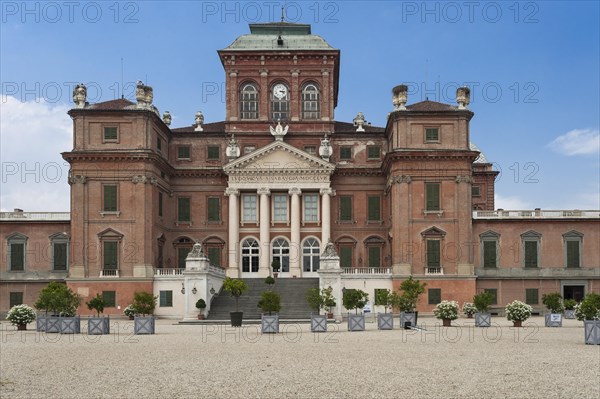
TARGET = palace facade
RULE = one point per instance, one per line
(275, 182)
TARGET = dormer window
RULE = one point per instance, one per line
(310, 102)
(249, 101)
(280, 102)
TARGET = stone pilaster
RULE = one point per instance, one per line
(295, 251)
(264, 232)
(234, 232)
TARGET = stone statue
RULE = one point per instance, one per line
(233, 149)
(196, 252)
(325, 150)
(199, 121)
(79, 95)
(359, 121)
(167, 118)
(279, 131)
(329, 250)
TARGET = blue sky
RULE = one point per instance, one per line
(533, 68)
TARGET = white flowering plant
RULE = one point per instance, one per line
(518, 311)
(469, 309)
(20, 314)
(129, 311)
(446, 310)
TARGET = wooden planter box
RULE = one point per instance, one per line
(269, 324)
(98, 325)
(569, 313)
(70, 325)
(318, 323)
(408, 317)
(592, 332)
(483, 319)
(553, 320)
(385, 321)
(143, 325)
(356, 322)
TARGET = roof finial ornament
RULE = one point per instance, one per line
(282, 13)
(279, 131)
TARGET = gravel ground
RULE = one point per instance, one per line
(213, 361)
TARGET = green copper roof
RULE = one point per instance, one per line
(265, 37)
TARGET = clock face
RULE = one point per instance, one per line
(279, 91)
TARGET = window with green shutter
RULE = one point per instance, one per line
(166, 299)
(214, 209)
(345, 208)
(110, 261)
(214, 255)
(490, 254)
(183, 209)
(531, 254)
(475, 191)
(182, 253)
(432, 134)
(374, 152)
(213, 152)
(346, 256)
(158, 144)
(374, 211)
(59, 259)
(573, 251)
(494, 293)
(345, 153)
(434, 296)
(110, 134)
(374, 256)
(531, 296)
(433, 253)
(432, 196)
(110, 299)
(17, 257)
(183, 152)
(15, 298)
(109, 198)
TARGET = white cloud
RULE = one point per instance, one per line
(511, 203)
(577, 142)
(32, 136)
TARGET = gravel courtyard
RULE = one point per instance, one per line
(212, 361)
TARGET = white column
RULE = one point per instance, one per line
(295, 250)
(234, 232)
(265, 232)
(326, 194)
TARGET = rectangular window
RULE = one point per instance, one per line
(214, 255)
(432, 134)
(573, 253)
(249, 208)
(310, 149)
(110, 134)
(531, 254)
(160, 203)
(434, 296)
(346, 256)
(160, 257)
(158, 144)
(531, 296)
(214, 209)
(17, 257)
(374, 152)
(475, 191)
(182, 253)
(110, 297)
(311, 207)
(345, 208)
(166, 299)
(345, 153)
(59, 256)
(374, 211)
(183, 209)
(213, 152)
(490, 254)
(494, 293)
(432, 196)
(16, 298)
(433, 253)
(374, 256)
(109, 198)
(110, 255)
(280, 207)
(183, 152)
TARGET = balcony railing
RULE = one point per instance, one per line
(434, 270)
(367, 270)
(35, 216)
(536, 214)
(109, 273)
(169, 271)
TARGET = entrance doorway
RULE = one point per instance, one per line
(575, 292)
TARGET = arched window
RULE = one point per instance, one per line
(281, 253)
(311, 108)
(280, 102)
(249, 101)
(250, 256)
(310, 255)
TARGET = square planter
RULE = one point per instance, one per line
(143, 325)
(269, 324)
(385, 321)
(410, 317)
(70, 325)
(483, 319)
(318, 323)
(40, 323)
(356, 322)
(569, 313)
(592, 332)
(98, 325)
(49, 324)
(236, 318)
(553, 320)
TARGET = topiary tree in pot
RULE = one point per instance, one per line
(235, 288)
(411, 290)
(200, 305)
(328, 301)
(354, 299)
(482, 303)
(554, 303)
(62, 302)
(588, 311)
(144, 304)
(316, 302)
(98, 325)
(469, 309)
(518, 312)
(570, 308)
(446, 311)
(269, 302)
(384, 297)
(20, 316)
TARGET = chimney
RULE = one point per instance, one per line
(399, 97)
(463, 97)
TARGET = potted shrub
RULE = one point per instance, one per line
(98, 325)
(469, 309)
(20, 316)
(328, 301)
(275, 266)
(570, 308)
(62, 302)
(482, 302)
(143, 305)
(129, 311)
(236, 288)
(200, 305)
(518, 312)
(316, 301)
(269, 302)
(354, 299)
(446, 311)
(554, 303)
(411, 290)
(588, 311)
(269, 281)
(385, 321)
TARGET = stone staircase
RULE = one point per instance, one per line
(293, 299)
